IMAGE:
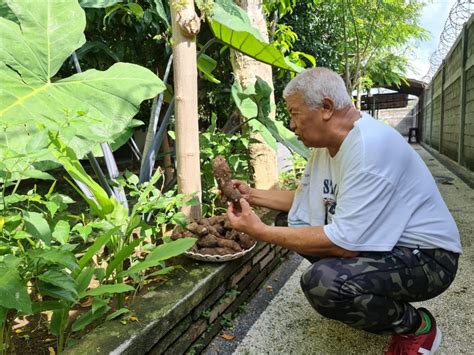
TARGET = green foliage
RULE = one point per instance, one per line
(234, 147)
(86, 108)
(254, 104)
(289, 179)
(231, 25)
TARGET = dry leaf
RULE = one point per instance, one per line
(51, 351)
(228, 337)
(133, 318)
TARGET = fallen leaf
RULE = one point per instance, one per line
(228, 337)
(123, 322)
(133, 318)
(51, 351)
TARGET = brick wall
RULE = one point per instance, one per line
(195, 329)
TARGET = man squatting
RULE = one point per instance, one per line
(367, 214)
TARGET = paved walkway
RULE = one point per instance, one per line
(290, 326)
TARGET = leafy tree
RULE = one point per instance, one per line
(366, 40)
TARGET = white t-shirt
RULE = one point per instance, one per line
(375, 193)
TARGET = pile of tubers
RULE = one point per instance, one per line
(215, 236)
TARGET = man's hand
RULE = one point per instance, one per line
(246, 220)
(244, 189)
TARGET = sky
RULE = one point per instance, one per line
(433, 18)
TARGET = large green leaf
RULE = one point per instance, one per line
(13, 293)
(254, 102)
(60, 279)
(86, 108)
(170, 249)
(55, 257)
(37, 226)
(231, 25)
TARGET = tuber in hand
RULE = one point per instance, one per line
(223, 176)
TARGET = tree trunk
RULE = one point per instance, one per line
(185, 26)
(264, 159)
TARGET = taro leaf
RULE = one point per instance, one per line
(13, 293)
(231, 25)
(98, 3)
(254, 102)
(98, 105)
(6, 12)
(242, 98)
(37, 226)
(286, 137)
(257, 126)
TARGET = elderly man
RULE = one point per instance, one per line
(367, 214)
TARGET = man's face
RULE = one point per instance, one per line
(305, 122)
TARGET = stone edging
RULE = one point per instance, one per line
(186, 312)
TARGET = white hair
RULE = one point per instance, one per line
(315, 84)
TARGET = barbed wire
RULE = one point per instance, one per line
(458, 15)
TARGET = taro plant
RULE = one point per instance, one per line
(37, 37)
(253, 103)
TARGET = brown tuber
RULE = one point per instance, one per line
(223, 177)
(215, 236)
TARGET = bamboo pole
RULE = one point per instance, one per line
(185, 26)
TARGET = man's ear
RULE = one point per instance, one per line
(328, 108)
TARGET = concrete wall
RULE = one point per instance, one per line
(402, 119)
(445, 111)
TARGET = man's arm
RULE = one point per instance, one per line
(305, 240)
(273, 199)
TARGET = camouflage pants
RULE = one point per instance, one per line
(372, 291)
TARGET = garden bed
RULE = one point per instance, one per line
(185, 313)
